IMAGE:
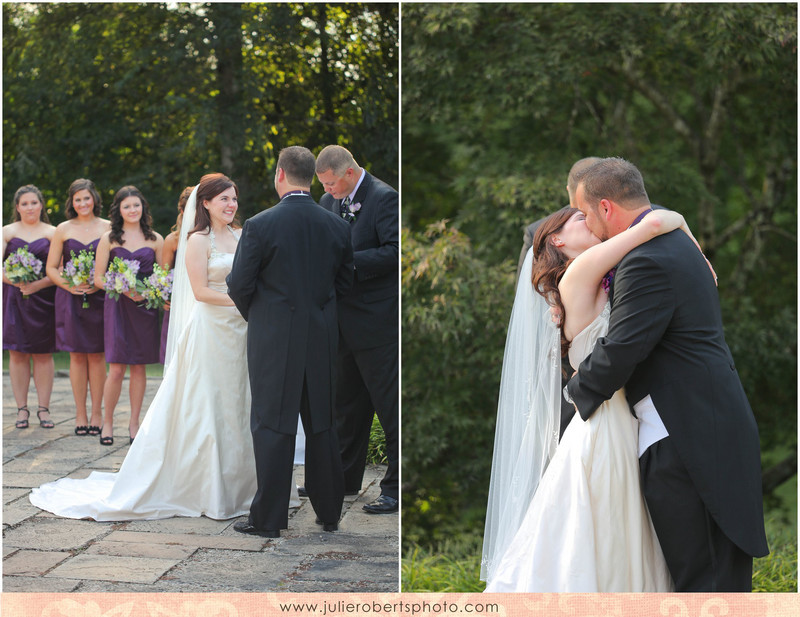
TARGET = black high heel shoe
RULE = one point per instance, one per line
(106, 441)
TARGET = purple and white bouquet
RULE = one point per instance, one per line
(79, 270)
(121, 277)
(22, 266)
(157, 288)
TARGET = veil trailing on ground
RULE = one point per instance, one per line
(183, 301)
(528, 417)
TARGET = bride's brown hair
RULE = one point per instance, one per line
(550, 263)
(208, 188)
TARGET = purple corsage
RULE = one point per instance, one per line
(608, 279)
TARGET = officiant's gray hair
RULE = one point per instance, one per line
(616, 179)
(297, 163)
(335, 159)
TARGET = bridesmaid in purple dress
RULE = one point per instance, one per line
(29, 330)
(80, 330)
(131, 330)
(168, 261)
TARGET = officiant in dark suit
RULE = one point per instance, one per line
(698, 440)
(368, 320)
(292, 262)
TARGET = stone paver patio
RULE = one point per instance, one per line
(46, 553)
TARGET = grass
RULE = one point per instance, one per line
(454, 566)
(376, 452)
(777, 572)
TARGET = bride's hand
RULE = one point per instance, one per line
(710, 267)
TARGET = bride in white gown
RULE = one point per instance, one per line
(568, 516)
(193, 454)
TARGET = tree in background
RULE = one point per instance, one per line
(157, 94)
(498, 101)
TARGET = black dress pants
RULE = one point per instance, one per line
(367, 384)
(274, 453)
(700, 557)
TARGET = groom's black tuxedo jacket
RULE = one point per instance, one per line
(665, 339)
(291, 263)
(368, 314)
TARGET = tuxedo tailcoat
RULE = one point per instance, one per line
(665, 339)
(368, 325)
(291, 262)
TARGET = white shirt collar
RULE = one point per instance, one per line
(352, 195)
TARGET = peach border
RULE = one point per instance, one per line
(407, 604)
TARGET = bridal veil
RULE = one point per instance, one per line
(182, 301)
(528, 417)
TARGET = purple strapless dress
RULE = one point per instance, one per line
(29, 325)
(131, 330)
(79, 329)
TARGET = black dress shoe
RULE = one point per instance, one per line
(245, 527)
(382, 505)
(327, 526)
(301, 490)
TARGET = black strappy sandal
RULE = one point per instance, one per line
(93, 430)
(44, 423)
(82, 431)
(23, 423)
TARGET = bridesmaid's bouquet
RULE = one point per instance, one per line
(22, 266)
(157, 288)
(79, 270)
(121, 277)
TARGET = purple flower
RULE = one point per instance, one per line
(608, 280)
(22, 266)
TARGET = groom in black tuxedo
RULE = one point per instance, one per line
(292, 262)
(698, 440)
(368, 320)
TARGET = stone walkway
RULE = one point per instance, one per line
(45, 553)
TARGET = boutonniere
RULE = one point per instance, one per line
(608, 279)
(350, 215)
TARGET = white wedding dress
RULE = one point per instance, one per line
(193, 454)
(587, 527)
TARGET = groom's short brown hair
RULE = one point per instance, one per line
(298, 163)
(616, 179)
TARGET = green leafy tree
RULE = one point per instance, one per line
(156, 94)
(498, 101)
